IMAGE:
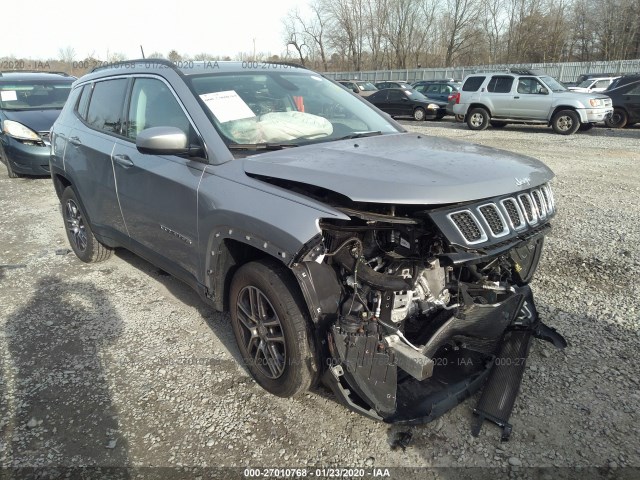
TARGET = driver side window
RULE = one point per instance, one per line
(154, 105)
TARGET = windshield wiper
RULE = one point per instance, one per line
(260, 146)
(360, 135)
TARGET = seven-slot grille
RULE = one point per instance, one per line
(497, 219)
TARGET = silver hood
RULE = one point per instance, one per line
(403, 168)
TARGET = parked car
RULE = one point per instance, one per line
(626, 105)
(360, 87)
(596, 84)
(587, 76)
(436, 90)
(399, 102)
(392, 266)
(29, 104)
(394, 84)
(623, 80)
(524, 96)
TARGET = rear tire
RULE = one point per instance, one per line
(84, 244)
(419, 114)
(618, 119)
(460, 118)
(565, 122)
(271, 326)
(478, 119)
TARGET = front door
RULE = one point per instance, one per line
(158, 194)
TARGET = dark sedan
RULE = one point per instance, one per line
(399, 102)
(29, 104)
(626, 105)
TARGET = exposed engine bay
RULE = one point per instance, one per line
(426, 299)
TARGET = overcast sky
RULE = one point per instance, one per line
(41, 28)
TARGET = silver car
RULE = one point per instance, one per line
(392, 267)
(522, 96)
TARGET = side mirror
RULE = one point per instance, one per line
(544, 91)
(162, 141)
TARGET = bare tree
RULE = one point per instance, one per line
(67, 54)
(460, 22)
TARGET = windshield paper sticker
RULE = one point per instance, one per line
(227, 106)
(8, 95)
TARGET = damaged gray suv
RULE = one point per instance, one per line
(390, 266)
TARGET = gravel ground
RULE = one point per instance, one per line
(117, 364)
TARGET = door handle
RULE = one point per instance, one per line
(123, 160)
(516, 97)
(75, 140)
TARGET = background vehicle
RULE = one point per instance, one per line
(390, 84)
(360, 87)
(587, 76)
(626, 105)
(436, 89)
(399, 102)
(29, 104)
(518, 96)
(623, 80)
(392, 266)
(596, 84)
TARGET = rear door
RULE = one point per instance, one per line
(158, 193)
(88, 152)
(501, 96)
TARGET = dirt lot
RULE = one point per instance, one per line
(117, 364)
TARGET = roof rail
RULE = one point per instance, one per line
(65, 74)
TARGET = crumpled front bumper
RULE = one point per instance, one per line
(367, 379)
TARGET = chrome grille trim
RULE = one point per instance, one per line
(468, 237)
(528, 208)
(538, 202)
(497, 225)
(503, 217)
(514, 214)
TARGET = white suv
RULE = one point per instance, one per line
(595, 84)
(522, 96)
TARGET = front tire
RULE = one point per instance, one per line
(618, 119)
(565, 122)
(478, 119)
(419, 114)
(84, 244)
(272, 329)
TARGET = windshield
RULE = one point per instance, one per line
(291, 108)
(585, 84)
(553, 84)
(33, 95)
(367, 87)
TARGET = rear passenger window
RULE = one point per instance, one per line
(154, 105)
(500, 84)
(634, 91)
(105, 107)
(472, 84)
(83, 103)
